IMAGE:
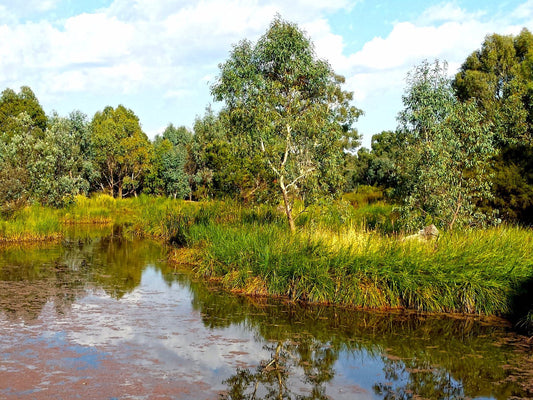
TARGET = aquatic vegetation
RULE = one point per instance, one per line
(477, 271)
(33, 223)
(335, 257)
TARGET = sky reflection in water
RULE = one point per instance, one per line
(110, 318)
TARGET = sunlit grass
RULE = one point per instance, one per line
(479, 271)
(335, 257)
(33, 223)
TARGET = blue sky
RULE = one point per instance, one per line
(159, 57)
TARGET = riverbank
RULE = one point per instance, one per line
(486, 272)
(334, 258)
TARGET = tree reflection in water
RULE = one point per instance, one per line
(420, 356)
(270, 380)
(33, 275)
(415, 356)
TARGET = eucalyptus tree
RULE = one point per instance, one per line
(121, 151)
(49, 168)
(209, 156)
(60, 169)
(287, 105)
(13, 104)
(170, 159)
(448, 148)
(499, 77)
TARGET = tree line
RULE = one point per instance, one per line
(461, 154)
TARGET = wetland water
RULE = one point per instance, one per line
(107, 318)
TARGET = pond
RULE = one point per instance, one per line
(108, 318)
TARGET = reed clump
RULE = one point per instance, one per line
(473, 271)
(31, 224)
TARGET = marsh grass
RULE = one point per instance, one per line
(336, 256)
(476, 272)
(31, 224)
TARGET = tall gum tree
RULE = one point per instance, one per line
(448, 148)
(499, 78)
(12, 105)
(288, 105)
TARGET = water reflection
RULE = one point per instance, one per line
(32, 276)
(116, 300)
(404, 355)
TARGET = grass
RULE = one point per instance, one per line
(339, 260)
(477, 273)
(30, 224)
(342, 254)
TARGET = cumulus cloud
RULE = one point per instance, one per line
(135, 43)
(376, 73)
(447, 12)
(172, 48)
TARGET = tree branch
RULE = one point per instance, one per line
(303, 175)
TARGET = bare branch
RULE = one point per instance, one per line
(303, 175)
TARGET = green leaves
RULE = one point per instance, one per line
(499, 79)
(287, 106)
(445, 167)
(169, 176)
(121, 150)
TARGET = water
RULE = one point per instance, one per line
(109, 319)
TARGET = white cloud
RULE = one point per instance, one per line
(523, 11)
(172, 48)
(408, 43)
(445, 12)
(444, 31)
(328, 45)
(163, 44)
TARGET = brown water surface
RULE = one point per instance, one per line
(107, 318)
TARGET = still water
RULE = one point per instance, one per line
(107, 318)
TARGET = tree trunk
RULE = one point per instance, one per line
(119, 190)
(287, 204)
(456, 213)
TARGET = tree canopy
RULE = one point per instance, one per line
(121, 150)
(288, 106)
(499, 78)
(448, 147)
(13, 104)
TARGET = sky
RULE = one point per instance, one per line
(160, 57)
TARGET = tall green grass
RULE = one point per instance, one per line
(33, 223)
(478, 272)
(341, 254)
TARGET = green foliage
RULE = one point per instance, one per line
(444, 168)
(121, 150)
(12, 105)
(379, 166)
(50, 168)
(210, 157)
(513, 184)
(168, 175)
(499, 78)
(61, 169)
(287, 106)
(219, 167)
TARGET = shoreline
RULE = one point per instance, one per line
(250, 251)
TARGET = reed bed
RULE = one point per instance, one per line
(31, 224)
(336, 256)
(476, 272)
